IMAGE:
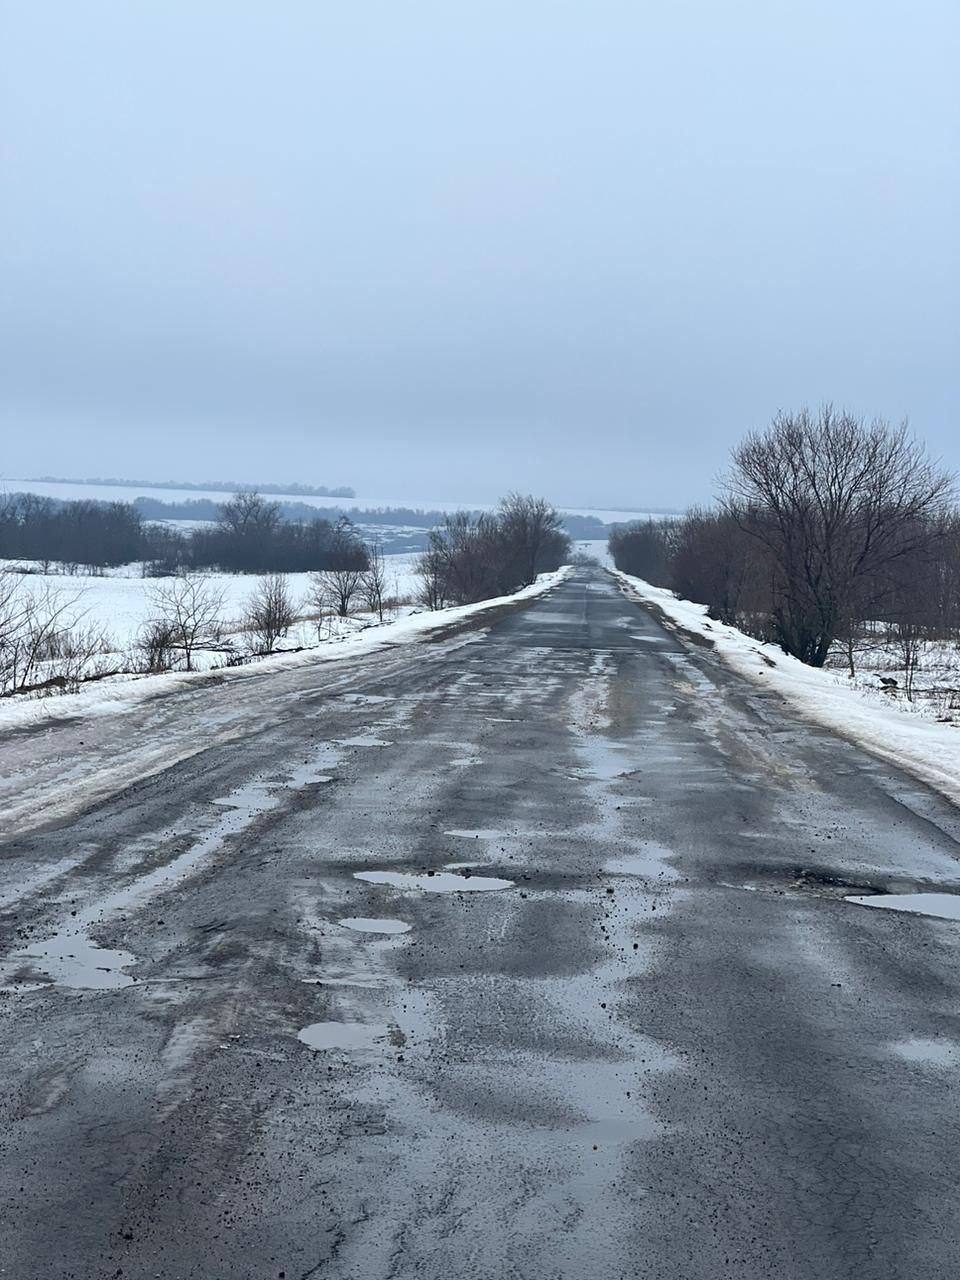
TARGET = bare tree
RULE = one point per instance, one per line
(465, 559)
(155, 646)
(270, 613)
(77, 654)
(374, 584)
(248, 514)
(191, 608)
(533, 532)
(834, 503)
(43, 647)
(335, 589)
(430, 571)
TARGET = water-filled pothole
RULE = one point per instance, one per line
(373, 924)
(943, 906)
(648, 864)
(618, 1130)
(74, 961)
(343, 1035)
(435, 882)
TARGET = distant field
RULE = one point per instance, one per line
(119, 493)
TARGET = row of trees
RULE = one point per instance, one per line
(83, 533)
(249, 536)
(216, 486)
(827, 529)
(413, 520)
(473, 557)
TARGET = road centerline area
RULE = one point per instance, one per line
(527, 955)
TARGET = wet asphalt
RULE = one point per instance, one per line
(518, 954)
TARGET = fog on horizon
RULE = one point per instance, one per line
(437, 251)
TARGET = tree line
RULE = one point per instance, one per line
(418, 518)
(216, 486)
(827, 527)
(249, 536)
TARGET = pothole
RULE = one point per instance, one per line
(373, 924)
(343, 1035)
(434, 881)
(827, 882)
(648, 865)
(72, 960)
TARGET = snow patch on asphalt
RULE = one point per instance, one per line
(927, 1051)
(942, 906)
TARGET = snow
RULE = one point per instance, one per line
(927, 1052)
(897, 733)
(595, 547)
(944, 906)
(120, 601)
(117, 694)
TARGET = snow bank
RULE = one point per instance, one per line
(120, 693)
(901, 735)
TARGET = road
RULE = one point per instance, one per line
(635, 1031)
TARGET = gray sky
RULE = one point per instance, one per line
(445, 249)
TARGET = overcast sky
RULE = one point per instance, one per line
(439, 250)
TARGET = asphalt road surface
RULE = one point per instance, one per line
(605, 1015)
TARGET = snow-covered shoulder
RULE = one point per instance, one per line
(923, 747)
(120, 693)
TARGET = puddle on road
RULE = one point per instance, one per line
(943, 906)
(372, 924)
(605, 761)
(363, 740)
(649, 864)
(928, 1052)
(618, 1130)
(74, 961)
(343, 1035)
(439, 882)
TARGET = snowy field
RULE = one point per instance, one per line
(919, 736)
(98, 625)
(121, 601)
